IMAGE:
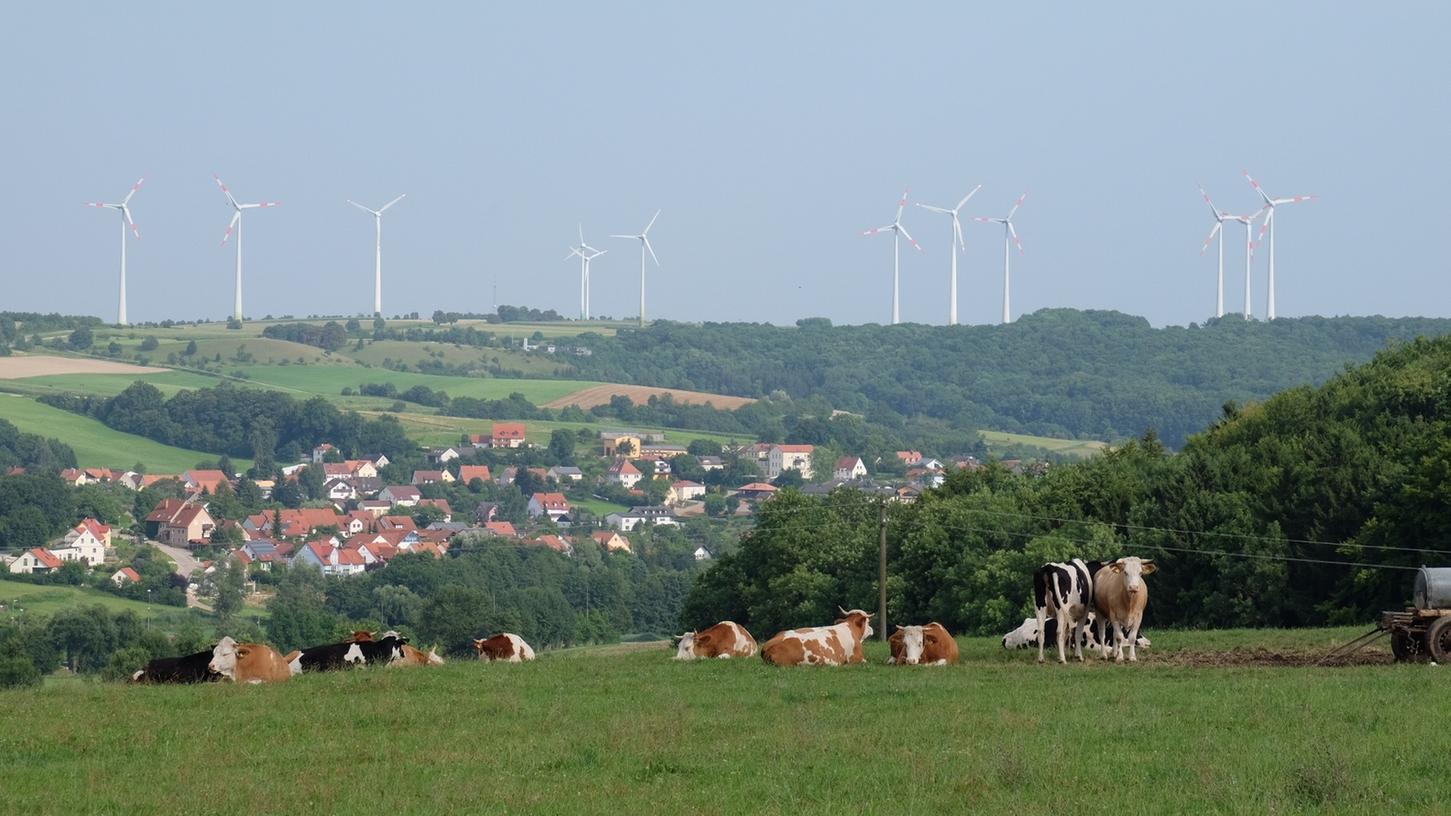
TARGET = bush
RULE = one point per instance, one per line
(124, 663)
(18, 672)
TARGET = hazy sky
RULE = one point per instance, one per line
(770, 134)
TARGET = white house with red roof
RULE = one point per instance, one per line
(333, 560)
(124, 576)
(507, 435)
(204, 480)
(554, 505)
(624, 473)
(849, 468)
(789, 457)
(34, 562)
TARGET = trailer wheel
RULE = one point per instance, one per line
(1438, 639)
(1407, 648)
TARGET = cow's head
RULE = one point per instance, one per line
(225, 656)
(1133, 569)
(434, 659)
(857, 618)
(361, 636)
(911, 640)
(393, 643)
(1023, 636)
(686, 649)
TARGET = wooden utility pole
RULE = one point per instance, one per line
(882, 573)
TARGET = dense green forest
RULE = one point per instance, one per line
(1307, 509)
(1057, 372)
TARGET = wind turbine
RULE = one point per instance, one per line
(125, 210)
(957, 244)
(586, 254)
(644, 238)
(377, 250)
(1249, 252)
(1269, 224)
(236, 224)
(1010, 236)
(897, 231)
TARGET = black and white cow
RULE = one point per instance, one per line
(1027, 634)
(1064, 590)
(336, 656)
(192, 668)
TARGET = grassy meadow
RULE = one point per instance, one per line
(97, 445)
(47, 599)
(622, 729)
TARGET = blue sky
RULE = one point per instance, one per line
(769, 134)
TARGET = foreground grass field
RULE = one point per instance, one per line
(620, 731)
(97, 445)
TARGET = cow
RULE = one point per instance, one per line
(192, 668)
(418, 657)
(1027, 634)
(1120, 595)
(506, 647)
(834, 645)
(927, 645)
(248, 662)
(334, 656)
(724, 640)
(1064, 589)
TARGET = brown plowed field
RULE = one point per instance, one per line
(640, 394)
(16, 368)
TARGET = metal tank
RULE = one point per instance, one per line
(1432, 589)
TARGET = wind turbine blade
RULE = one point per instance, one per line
(236, 216)
(1016, 206)
(599, 252)
(632, 237)
(225, 191)
(1210, 239)
(966, 197)
(264, 205)
(1218, 216)
(99, 204)
(651, 224)
(361, 207)
(1016, 239)
(909, 237)
(126, 211)
(935, 209)
(134, 188)
(902, 205)
(581, 235)
(875, 230)
(1256, 185)
(957, 230)
(1295, 199)
(385, 207)
(982, 219)
(1264, 227)
(572, 252)
(646, 242)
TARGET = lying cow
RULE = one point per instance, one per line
(505, 647)
(927, 645)
(334, 656)
(418, 657)
(834, 645)
(192, 668)
(726, 639)
(1065, 591)
(1120, 596)
(1027, 635)
(248, 662)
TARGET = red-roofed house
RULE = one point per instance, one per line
(501, 528)
(556, 543)
(789, 457)
(204, 480)
(424, 477)
(400, 495)
(507, 435)
(75, 477)
(332, 560)
(611, 540)
(553, 505)
(124, 576)
(32, 562)
(756, 491)
(467, 473)
(850, 467)
(180, 522)
(387, 524)
(86, 542)
(909, 457)
(624, 473)
(438, 504)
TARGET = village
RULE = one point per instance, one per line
(350, 516)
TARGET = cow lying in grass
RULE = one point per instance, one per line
(927, 645)
(192, 668)
(835, 645)
(724, 640)
(248, 662)
(504, 648)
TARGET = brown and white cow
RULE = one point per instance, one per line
(725, 639)
(927, 645)
(418, 657)
(506, 647)
(834, 645)
(248, 662)
(1120, 595)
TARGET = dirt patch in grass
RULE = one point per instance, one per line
(641, 394)
(1273, 658)
(18, 367)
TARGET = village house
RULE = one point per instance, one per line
(467, 473)
(620, 443)
(339, 490)
(507, 435)
(789, 457)
(86, 542)
(426, 477)
(664, 450)
(611, 541)
(442, 456)
(755, 491)
(260, 554)
(556, 543)
(702, 554)
(553, 505)
(320, 453)
(179, 522)
(375, 507)
(684, 491)
(565, 473)
(624, 473)
(711, 463)
(201, 480)
(124, 576)
(333, 560)
(34, 562)
(400, 495)
(503, 529)
(75, 477)
(850, 467)
(636, 516)
(909, 457)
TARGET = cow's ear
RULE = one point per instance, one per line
(243, 651)
(1149, 568)
(1116, 567)
(899, 627)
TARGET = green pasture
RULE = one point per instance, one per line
(329, 380)
(620, 730)
(97, 445)
(47, 599)
(1081, 448)
(435, 430)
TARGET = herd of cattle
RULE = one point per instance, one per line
(1109, 596)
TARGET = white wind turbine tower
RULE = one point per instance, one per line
(125, 210)
(957, 244)
(1249, 252)
(1010, 237)
(586, 254)
(897, 232)
(236, 224)
(377, 250)
(644, 239)
(1269, 224)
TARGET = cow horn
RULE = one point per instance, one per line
(843, 611)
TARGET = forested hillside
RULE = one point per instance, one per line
(1307, 509)
(1057, 372)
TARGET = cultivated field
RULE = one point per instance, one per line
(623, 730)
(97, 445)
(640, 394)
(41, 365)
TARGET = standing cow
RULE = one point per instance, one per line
(927, 645)
(1064, 589)
(1120, 596)
(505, 647)
(834, 645)
(724, 640)
(248, 662)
